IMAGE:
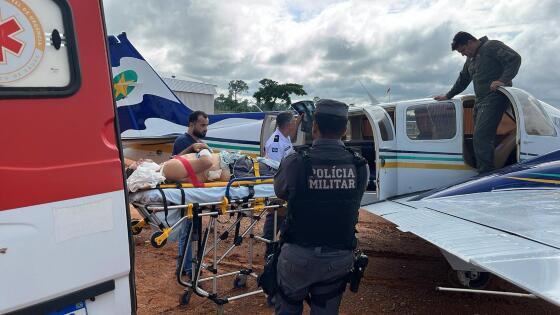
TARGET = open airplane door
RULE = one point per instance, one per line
(535, 128)
(385, 146)
(65, 245)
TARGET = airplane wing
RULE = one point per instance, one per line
(512, 232)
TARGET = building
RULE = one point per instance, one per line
(196, 95)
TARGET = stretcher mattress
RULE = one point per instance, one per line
(192, 195)
(198, 195)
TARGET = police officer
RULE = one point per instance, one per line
(489, 65)
(323, 186)
(278, 146)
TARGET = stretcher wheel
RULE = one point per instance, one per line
(135, 229)
(153, 240)
(240, 281)
(185, 297)
(473, 279)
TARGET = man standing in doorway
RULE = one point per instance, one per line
(188, 143)
(489, 65)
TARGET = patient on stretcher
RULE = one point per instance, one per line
(202, 167)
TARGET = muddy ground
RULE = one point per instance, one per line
(401, 277)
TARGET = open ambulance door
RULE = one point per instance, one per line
(65, 245)
(385, 149)
(536, 132)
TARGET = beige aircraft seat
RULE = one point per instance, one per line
(504, 149)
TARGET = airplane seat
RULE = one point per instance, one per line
(368, 152)
(504, 149)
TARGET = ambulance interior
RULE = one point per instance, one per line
(505, 152)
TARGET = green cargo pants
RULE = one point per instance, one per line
(487, 114)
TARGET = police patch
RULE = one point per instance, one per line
(276, 138)
(333, 177)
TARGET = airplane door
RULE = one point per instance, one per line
(385, 145)
(536, 130)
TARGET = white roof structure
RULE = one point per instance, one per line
(178, 85)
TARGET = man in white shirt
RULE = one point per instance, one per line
(280, 142)
(278, 146)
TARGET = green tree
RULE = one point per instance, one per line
(271, 94)
(237, 87)
(225, 104)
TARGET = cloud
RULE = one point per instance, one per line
(328, 46)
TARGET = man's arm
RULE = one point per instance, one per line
(193, 148)
(285, 178)
(461, 84)
(298, 122)
(509, 59)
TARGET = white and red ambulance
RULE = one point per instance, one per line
(65, 245)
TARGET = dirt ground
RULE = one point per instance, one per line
(401, 277)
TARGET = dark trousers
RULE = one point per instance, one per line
(487, 114)
(314, 272)
(268, 230)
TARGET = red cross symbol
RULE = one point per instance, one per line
(8, 28)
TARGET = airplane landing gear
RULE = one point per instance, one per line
(471, 279)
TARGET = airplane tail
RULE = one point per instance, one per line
(146, 106)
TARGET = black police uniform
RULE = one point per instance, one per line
(323, 185)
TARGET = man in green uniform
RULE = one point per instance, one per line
(489, 65)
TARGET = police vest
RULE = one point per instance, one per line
(323, 211)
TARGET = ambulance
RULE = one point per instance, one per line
(65, 245)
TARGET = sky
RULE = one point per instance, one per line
(331, 46)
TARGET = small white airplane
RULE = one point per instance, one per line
(506, 223)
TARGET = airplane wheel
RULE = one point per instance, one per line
(186, 297)
(240, 281)
(153, 240)
(473, 279)
(134, 228)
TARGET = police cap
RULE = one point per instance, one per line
(331, 107)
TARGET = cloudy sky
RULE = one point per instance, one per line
(329, 46)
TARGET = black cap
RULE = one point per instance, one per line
(331, 107)
(460, 39)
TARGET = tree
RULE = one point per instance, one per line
(225, 104)
(237, 87)
(270, 92)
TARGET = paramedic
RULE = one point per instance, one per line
(323, 185)
(188, 143)
(489, 65)
(276, 148)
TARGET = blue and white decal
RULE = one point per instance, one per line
(542, 172)
(147, 108)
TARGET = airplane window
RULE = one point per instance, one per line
(537, 122)
(37, 55)
(435, 121)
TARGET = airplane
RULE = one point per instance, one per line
(506, 223)
(151, 116)
(415, 146)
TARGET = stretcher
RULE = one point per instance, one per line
(248, 200)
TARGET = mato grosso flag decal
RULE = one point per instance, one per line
(22, 40)
(123, 84)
